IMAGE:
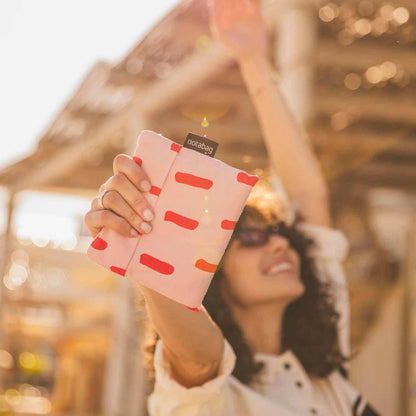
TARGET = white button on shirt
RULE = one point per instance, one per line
(285, 381)
(284, 388)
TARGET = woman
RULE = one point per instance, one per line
(266, 342)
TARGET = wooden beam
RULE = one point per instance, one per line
(360, 56)
(65, 296)
(386, 174)
(196, 70)
(367, 106)
(364, 139)
(190, 75)
(228, 129)
(409, 4)
(87, 192)
(62, 257)
(67, 158)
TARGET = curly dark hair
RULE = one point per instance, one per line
(310, 322)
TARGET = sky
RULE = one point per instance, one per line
(46, 48)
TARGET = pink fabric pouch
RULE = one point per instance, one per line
(197, 201)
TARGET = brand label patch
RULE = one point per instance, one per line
(201, 144)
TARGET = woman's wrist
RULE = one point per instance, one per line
(253, 63)
(258, 74)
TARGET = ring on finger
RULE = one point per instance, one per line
(101, 197)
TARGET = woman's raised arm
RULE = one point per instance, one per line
(238, 25)
(193, 342)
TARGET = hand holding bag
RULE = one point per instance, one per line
(197, 201)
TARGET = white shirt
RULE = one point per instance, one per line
(285, 389)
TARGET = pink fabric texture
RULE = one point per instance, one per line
(197, 201)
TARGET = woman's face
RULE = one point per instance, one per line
(264, 274)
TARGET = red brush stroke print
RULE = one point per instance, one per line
(155, 190)
(99, 244)
(156, 264)
(138, 160)
(118, 270)
(192, 309)
(205, 266)
(180, 220)
(175, 147)
(193, 180)
(247, 179)
(228, 225)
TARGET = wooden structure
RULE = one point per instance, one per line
(354, 85)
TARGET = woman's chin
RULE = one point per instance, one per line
(292, 290)
(285, 293)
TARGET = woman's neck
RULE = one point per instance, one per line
(262, 326)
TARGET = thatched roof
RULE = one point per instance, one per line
(176, 75)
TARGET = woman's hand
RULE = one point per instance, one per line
(126, 209)
(239, 26)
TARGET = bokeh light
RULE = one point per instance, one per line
(352, 81)
(339, 120)
(205, 122)
(46, 229)
(202, 110)
(386, 11)
(203, 43)
(374, 75)
(6, 360)
(388, 69)
(329, 12)
(13, 397)
(401, 15)
(28, 360)
(362, 27)
(379, 26)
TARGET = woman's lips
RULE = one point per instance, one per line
(283, 267)
(279, 266)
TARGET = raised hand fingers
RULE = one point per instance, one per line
(125, 207)
(95, 220)
(114, 202)
(131, 195)
(125, 164)
(131, 181)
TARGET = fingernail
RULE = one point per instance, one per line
(145, 186)
(133, 232)
(147, 214)
(145, 227)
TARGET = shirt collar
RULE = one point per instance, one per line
(274, 365)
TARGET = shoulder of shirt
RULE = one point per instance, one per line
(358, 402)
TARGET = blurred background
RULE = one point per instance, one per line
(80, 80)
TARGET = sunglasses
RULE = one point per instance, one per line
(255, 236)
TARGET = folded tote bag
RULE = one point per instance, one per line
(197, 201)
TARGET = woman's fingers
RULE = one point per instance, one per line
(126, 164)
(131, 196)
(125, 207)
(95, 220)
(130, 181)
(114, 202)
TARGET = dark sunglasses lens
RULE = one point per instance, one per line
(253, 237)
(275, 229)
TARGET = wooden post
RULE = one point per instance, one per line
(294, 49)
(124, 384)
(409, 354)
(115, 402)
(4, 263)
